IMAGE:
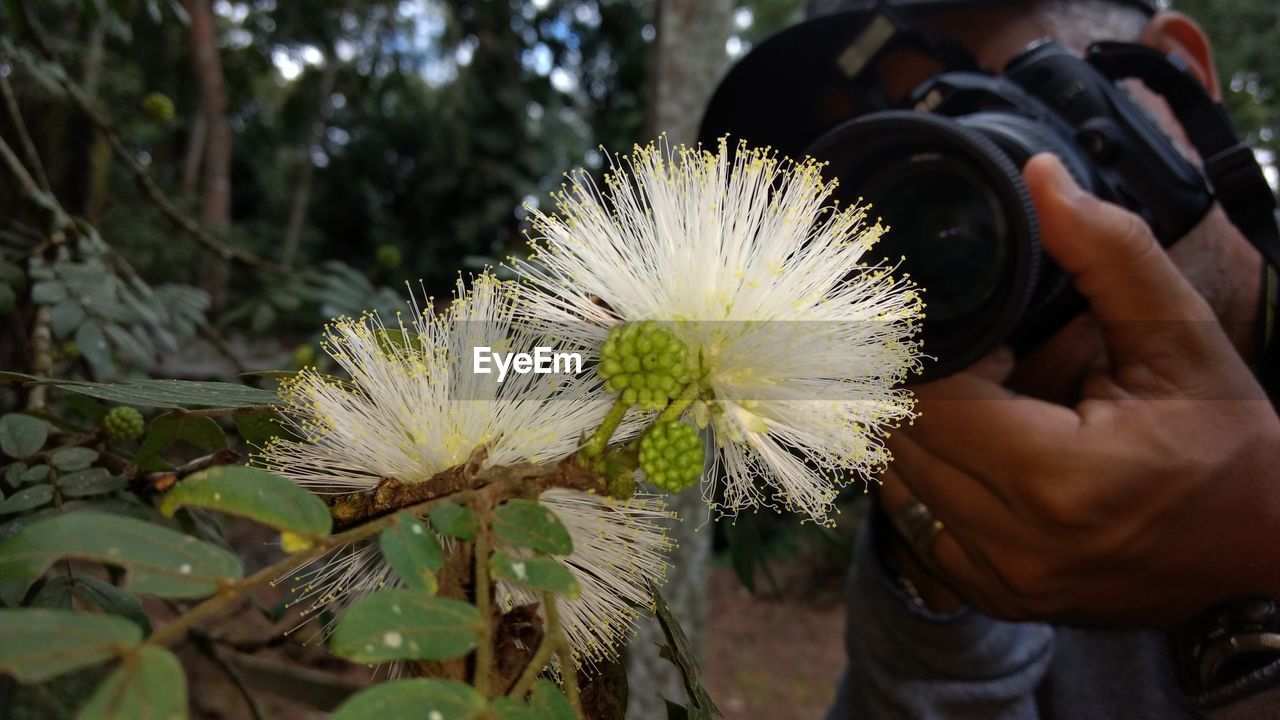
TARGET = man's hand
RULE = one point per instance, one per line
(1155, 497)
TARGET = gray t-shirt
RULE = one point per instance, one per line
(906, 662)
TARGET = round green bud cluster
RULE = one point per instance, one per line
(304, 355)
(671, 455)
(158, 106)
(645, 364)
(621, 485)
(388, 256)
(123, 424)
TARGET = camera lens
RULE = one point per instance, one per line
(961, 224)
(949, 226)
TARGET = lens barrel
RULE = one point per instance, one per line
(961, 221)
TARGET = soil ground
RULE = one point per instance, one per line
(773, 658)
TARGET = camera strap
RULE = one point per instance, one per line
(1237, 179)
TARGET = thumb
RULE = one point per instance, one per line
(1149, 312)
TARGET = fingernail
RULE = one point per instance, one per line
(1062, 182)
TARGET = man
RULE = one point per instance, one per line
(1120, 480)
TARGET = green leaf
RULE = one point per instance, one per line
(65, 318)
(70, 459)
(160, 561)
(511, 709)
(93, 345)
(536, 573)
(13, 473)
(531, 524)
(167, 429)
(8, 298)
(175, 394)
(24, 500)
(412, 550)
(455, 521)
(678, 652)
(38, 644)
(48, 292)
(39, 473)
(149, 684)
(548, 703)
(55, 595)
(406, 625)
(21, 436)
(110, 599)
(254, 494)
(94, 481)
(429, 699)
(259, 426)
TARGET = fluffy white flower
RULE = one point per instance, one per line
(745, 257)
(414, 408)
(619, 547)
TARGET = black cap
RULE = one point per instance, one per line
(780, 93)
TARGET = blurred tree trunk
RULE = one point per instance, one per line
(215, 200)
(688, 59)
(194, 153)
(306, 168)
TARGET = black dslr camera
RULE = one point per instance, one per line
(947, 179)
(943, 167)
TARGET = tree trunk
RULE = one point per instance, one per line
(194, 153)
(306, 168)
(688, 59)
(215, 199)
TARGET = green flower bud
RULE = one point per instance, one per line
(672, 455)
(123, 424)
(158, 106)
(388, 256)
(645, 364)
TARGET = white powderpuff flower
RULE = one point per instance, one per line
(413, 408)
(619, 548)
(801, 344)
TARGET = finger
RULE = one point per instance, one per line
(963, 503)
(962, 567)
(985, 430)
(995, 366)
(1145, 304)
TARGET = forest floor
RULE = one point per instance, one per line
(775, 658)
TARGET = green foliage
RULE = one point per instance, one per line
(406, 625)
(682, 656)
(530, 524)
(434, 699)
(411, 548)
(546, 702)
(254, 494)
(149, 683)
(38, 644)
(159, 561)
(21, 436)
(455, 521)
(198, 430)
(540, 574)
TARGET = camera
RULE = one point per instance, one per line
(946, 177)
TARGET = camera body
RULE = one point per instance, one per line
(946, 177)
